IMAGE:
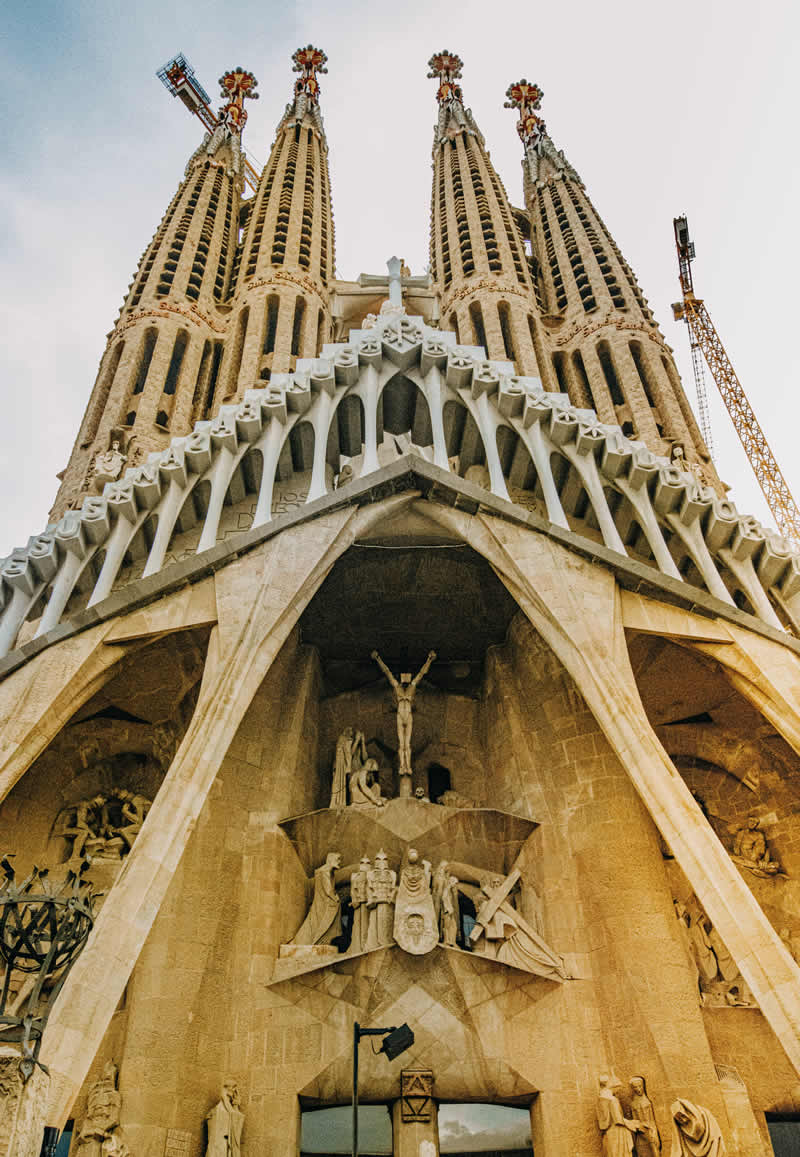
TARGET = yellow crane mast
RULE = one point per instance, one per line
(705, 339)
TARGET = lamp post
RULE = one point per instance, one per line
(43, 928)
(397, 1040)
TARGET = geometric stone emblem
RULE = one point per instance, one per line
(416, 1091)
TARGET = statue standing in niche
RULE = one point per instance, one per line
(695, 1132)
(616, 1130)
(225, 1124)
(404, 693)
(647, 1142)
(358, 900)
(134, 811)
(324, 920)
(751, 852)
(381, 892)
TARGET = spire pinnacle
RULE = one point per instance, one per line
(236, 86)
(446, 67)
(309, 62)
(527, 98)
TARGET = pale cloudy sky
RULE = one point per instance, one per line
(662, 107)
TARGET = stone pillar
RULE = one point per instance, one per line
(414, 1138)
(23, 1106)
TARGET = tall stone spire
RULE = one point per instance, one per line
(286, 260)
(477, 254)
(603, 346)
(158, 373)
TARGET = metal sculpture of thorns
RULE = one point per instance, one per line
(43, 928)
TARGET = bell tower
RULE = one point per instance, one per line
(159, 370)
(477, 254)
(602, 344)
(286, 261)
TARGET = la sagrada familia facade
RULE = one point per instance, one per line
(394, 656)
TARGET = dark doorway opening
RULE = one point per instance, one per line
(438, 781)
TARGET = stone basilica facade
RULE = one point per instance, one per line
(394, 655)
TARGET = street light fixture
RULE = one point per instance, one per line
(396, 1041)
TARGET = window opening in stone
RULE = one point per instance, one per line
(238, 349)
(438, 781)
(176, 361)
(330, 1131)
(476, 316)
(505, 329)
(642, 370)
(609, 370)
(146, 356)
(561, 372)
(453, 326)
(101, 397)
(583, 377)
(297, 325)
(487, 1129)
(466, 921)
(65, 1140)
(784, 1133)
(272, 323)
(162, 419)
(320, 332)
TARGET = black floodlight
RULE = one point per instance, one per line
(397, 1042)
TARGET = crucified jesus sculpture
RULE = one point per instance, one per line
(404, 690)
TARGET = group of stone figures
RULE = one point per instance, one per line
(718, 976)
(103, 827)
(100, 1134)
(355, 773)
(695, 1131)
(419, 910)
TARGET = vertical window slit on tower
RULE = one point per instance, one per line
(260, 217)
(453, 325)
(320, 332)
(145, 357)
(238, 350)
(484, 213)
(583, 377)
(179, 237)
(152, 251)
(206, 237)
(476, 316)
(462, 224)
(561, 372)
(573, 253)
(281, 234)
(216, 361)
(221, 279)
(511, 231)
(601, 256)
(271, 327)
(558, 291)
(326, 225)
(297, 325)
(610, 373)
(642, 370)
(100, 399)
(304, 256)
(175, 362)
(443, 230)
(504, 313)
(626, 269)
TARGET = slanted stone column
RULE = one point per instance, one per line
(23, 1106)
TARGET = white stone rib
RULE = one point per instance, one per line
(729, 551)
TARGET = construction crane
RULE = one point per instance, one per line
(179, 79)
(705, 341)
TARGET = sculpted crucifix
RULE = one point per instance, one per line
(404, 690)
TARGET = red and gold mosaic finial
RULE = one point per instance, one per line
(308, 62)
(526, 97)
(236, 86)
(446, 68)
